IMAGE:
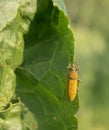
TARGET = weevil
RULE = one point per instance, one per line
(72, 82)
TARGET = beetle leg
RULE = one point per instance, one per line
(77, 66)
(78, 89)
(79, 81)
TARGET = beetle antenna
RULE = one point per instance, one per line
(69, 66)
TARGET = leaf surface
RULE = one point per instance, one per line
(42, 78)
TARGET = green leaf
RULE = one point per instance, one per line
(15, 18)
(10, 117)
(42, 78)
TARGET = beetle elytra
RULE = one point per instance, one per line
(72, 82)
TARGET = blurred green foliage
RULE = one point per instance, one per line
(89, 21)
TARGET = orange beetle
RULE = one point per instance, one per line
(72, 82)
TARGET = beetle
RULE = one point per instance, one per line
(72, 82)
